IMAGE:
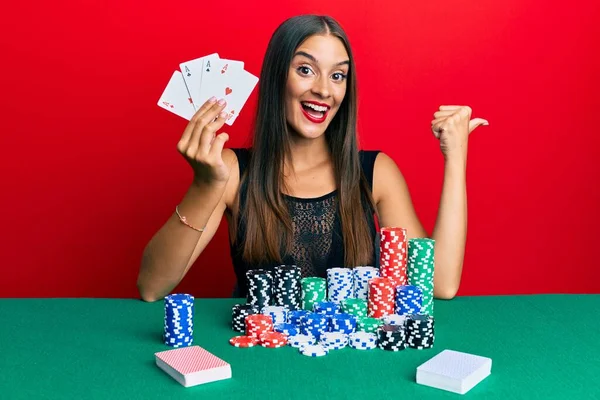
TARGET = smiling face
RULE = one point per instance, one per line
(316, 85)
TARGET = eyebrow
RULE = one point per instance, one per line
(310, 57)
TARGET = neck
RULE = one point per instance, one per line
(307, 153)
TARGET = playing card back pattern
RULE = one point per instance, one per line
(454, 364)
(190, 359)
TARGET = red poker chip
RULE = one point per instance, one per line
(243, 341)
(272, 345)
(381, 297)
(273, 339)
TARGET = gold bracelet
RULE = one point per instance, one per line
(183, 220)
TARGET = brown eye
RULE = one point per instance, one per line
(304, 70)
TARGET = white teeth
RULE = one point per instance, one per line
(316, 107)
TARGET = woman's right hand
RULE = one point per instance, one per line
(201, 148)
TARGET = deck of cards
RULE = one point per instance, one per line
(454, 371)
(193, 365)
(205, 77)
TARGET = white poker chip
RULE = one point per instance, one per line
(363, 341)
(299, 340)
(333, 340)
(313, 350)
(394, 319)
(363, 337)
(363, 346)
(333, 346)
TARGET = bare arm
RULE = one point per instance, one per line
(168, 255)
(175, 247)
(452, 126)
(396, 209)
(450, 231)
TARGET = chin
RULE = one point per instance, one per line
(309, 132)
(307, 129)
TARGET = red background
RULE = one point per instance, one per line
(90, 170)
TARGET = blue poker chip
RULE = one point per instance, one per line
(287, 329)
(178, 321)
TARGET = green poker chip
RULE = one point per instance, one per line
(420, 268)
(314, 290)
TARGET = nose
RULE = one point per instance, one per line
(321, 86)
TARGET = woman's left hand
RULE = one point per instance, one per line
(452, 126)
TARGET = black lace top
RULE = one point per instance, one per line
(318, 243)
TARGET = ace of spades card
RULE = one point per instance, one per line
(192, 74)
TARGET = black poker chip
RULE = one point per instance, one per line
(260, 288)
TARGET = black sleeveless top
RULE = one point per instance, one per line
(318, 242)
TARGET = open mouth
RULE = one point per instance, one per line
(314, 113)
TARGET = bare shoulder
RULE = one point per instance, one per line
(385, 175)
(230, 159)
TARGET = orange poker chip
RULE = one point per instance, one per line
(243, 341)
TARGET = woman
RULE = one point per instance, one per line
(304, 194)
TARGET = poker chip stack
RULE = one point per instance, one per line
(326, 307)
(420, 269)
(244, 341)
(258, 324)
(179, 314)
(287, 329)
(300, 340)
(356, 307)
(393, 254)
(394, 319)
(361, 276)
(362, 340)
(381, 297)
(318, 333)
(391, 338)
(314, 324)
(294, 317)
(333, 340)
(273, 340)
(314, 290)
(278, 314)
(419, 331)
(313, 350)
(363, 307)
(239, 312)
(340, 284)
(409, 300)
(287, 290)
(342, 322)
(369, 325)
(260, 288)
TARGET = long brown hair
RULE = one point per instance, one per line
(268, 224)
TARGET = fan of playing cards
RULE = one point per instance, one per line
(203, 78)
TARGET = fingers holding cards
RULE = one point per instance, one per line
(206, 77)
(189, 130)
(201, 148)
(212, 121)
(205, 124)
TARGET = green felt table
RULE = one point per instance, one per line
(541, 346)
